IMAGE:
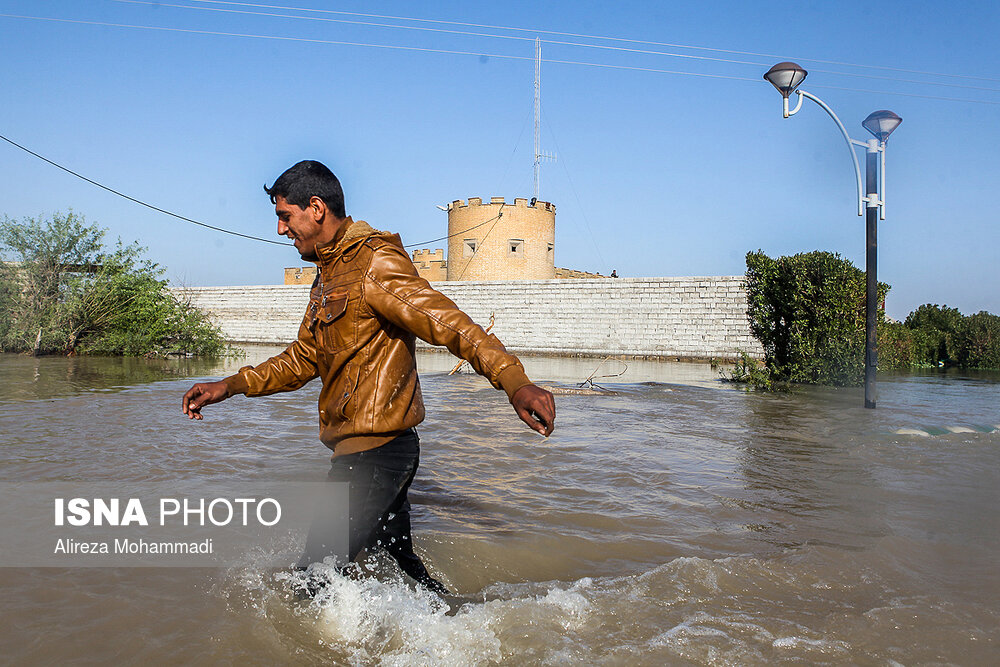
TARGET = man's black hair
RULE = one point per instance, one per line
(308, 179)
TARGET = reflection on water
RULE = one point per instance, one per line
(30, 378)
(671, 519)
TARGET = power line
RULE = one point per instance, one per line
(755, 80)
(761, 64)
(218, 33)
(440, 30)
(138, 201)
(444, 238)
(517, 143)
(153, 3)
(885, 92)
(203, 224)
(658, 70)
(495, 219)
(557, 42)
(583, 211)
(480, 244)
(586, 36)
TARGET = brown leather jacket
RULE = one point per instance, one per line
(358, 337)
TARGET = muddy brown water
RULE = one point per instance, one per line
(669, 520)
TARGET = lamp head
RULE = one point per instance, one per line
(881, 123)
(786, 77)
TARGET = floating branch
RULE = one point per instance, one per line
(594, 376)
(459, 365)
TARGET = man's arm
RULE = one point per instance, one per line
(393, 290)
(284, 372)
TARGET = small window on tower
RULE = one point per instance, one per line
(515, 247)
(469, 248)
(552, 250)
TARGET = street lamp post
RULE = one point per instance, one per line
(787, 77)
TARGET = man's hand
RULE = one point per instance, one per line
(202, 394)
(536, 408)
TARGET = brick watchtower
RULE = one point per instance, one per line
(485, 245)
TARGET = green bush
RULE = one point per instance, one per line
(66, 293)
(896, 346)
(808, 312)
(977, 341)
(942, 336)
(933, 330)
(9, 292)
(753, 375)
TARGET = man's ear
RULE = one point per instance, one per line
(317, 208)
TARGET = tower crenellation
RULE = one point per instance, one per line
(501, 241)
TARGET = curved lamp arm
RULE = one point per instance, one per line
(850, 142)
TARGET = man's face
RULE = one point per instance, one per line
(301, 225)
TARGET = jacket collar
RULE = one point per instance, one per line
(350, 234)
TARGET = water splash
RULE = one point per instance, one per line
(693, 610)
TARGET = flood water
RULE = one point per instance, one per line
(671, 519)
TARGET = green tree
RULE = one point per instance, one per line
(9, 295)
(808, 312)
(977, 341)
(67, 293)
(934, 328)
(896, 346)
(45, 254)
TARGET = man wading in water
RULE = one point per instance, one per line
(366, 307)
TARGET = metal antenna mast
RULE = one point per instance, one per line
(538, 110)
(539, 155)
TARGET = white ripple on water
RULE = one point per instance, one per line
(814, 605)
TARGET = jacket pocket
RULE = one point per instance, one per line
(331, 327)
(352, 373)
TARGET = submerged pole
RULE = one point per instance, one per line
(871, 273)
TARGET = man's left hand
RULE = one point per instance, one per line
(536, 408)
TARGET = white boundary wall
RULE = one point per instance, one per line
(691, 317)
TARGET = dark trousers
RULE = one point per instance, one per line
(379, 509)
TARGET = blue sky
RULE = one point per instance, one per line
(658, 174)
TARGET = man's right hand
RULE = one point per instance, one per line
(536, 407)
(202, 394)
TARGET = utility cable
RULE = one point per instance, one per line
(444, 238)
(886, 92)
(583, 211)
(480, 244)
(763, 64)
(517, 143)
(756, 80)
(442, 30)
(548, 41)
(153, 3)
(586, 36)
(219, 33)
(138, 201)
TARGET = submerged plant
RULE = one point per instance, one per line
(808, 312)
(753, 374)
(66, 292)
